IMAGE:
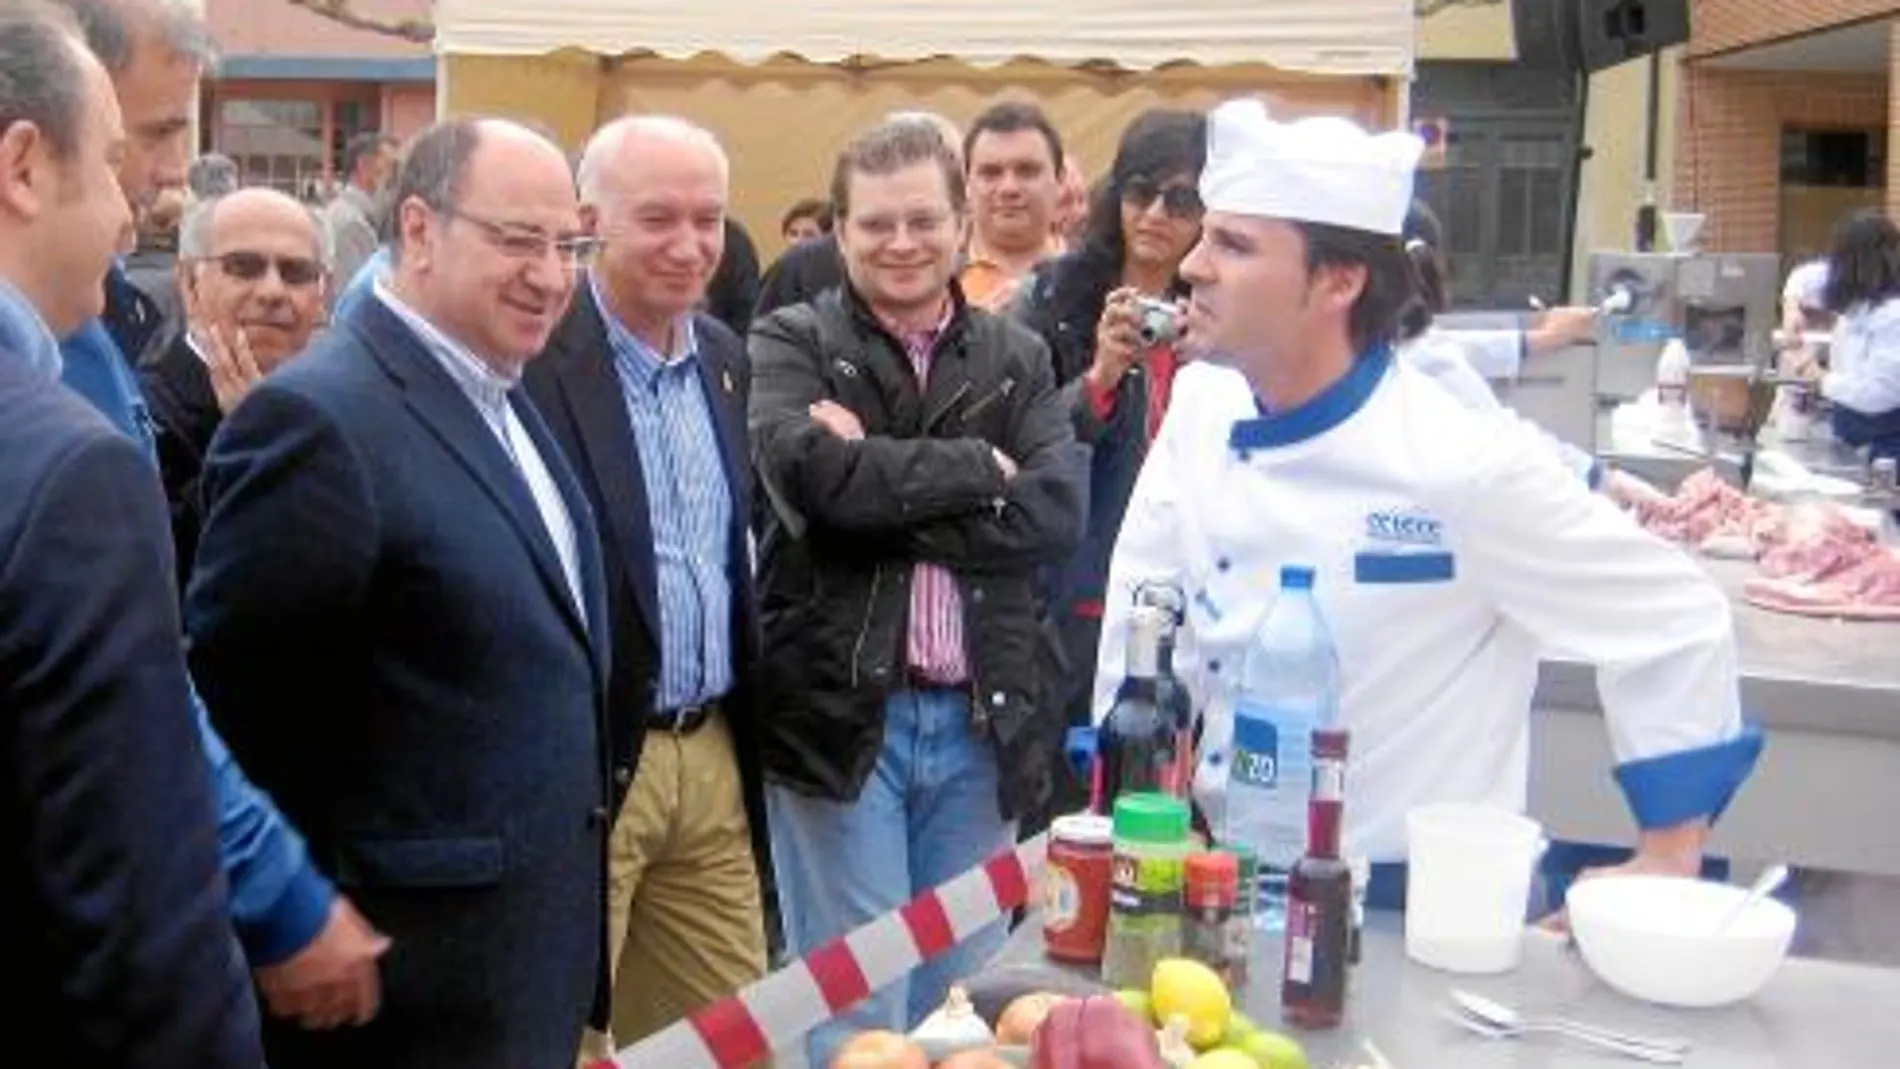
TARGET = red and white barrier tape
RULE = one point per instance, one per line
(780, 1009)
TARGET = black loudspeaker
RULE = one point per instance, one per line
(1589, 35)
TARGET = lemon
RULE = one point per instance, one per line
(1272, 1050)
(1137, 1002)
(1186, 988)
(1239, 1027)
(1224, 1058)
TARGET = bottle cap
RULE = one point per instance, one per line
(1151, 818)
(1212, 872)
(1083, 829)
(1296, 577)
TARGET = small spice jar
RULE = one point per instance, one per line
(1075, 888)
(1144, 915)
(1210, 893)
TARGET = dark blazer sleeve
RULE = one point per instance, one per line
(106, 779)
(1044, 507)
(870, 485)
(287, 550)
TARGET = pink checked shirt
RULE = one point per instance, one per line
(935, 647)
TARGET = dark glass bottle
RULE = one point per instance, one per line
(1137, 746)
(1171, 693)
(1319, 899)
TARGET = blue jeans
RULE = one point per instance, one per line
(927, 814)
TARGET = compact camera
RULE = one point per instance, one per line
(1159, 322)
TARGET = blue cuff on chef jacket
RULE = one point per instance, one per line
(1595, 476)
(1680, 787)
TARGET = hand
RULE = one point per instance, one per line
(1559, 327)
(1117, 339)
(1005, 463)
(838, 419)
(1639, 864)
(228, 359)
(334, 980)
(1631, 492)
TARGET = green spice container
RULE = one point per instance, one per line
(1144, 912)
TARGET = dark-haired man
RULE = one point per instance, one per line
(921, 469)
(1013, 167)
(1451, 547)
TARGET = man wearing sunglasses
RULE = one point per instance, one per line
(252, 272)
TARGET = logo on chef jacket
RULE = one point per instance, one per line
(1404, 527)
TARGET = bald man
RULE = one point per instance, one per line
(649, 399)
(252, 272)
(397, 620)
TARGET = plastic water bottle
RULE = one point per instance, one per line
(1289, 686)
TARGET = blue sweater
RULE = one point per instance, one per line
(278, 900)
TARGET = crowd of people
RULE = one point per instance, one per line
(482, 621)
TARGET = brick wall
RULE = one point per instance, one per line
(1721, 25)
(1728, 160)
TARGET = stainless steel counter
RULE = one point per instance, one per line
(1797, 672)
(1828, 695)
(1813, 1015)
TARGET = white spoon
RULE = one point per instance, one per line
(1766, 884)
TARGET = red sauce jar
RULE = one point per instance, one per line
(1075, 888)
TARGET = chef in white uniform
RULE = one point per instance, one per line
(1451, 545)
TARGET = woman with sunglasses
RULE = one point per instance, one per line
(1142, 222)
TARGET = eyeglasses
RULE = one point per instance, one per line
(295, 271)
(919, 224)
(1179, 201)
(520, 242)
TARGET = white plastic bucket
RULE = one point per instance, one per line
(1468, 886)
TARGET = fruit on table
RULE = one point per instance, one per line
(975, 1059)
(1239, 1027)
(1273, 1050)
(1022, 1017)
(1186, 988)
(880, 1050)
(1138, 1003)
(1224, 1058)
(1093, 1033)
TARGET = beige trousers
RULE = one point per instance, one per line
(685, 920)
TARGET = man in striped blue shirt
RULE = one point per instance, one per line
(647, 397)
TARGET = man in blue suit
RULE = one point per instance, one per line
(398, 621)
(313, 955)
(111, 910)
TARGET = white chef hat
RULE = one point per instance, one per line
(1807, 285)
(1320, 170)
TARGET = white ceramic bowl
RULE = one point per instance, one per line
(1652, 938)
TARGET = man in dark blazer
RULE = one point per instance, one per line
(252, 268)
(397, 621)
(648, 401)
(113, 917)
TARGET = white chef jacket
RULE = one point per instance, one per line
(1864, 359)
(1496, 355)
(1451, 359)
(1450, 548)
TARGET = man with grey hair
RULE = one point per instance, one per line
(313, 955)
(252, 270)
(211, 175)
(111, 910)
(810, 268)
(397, 618)
(350, 217)
(649, 398)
